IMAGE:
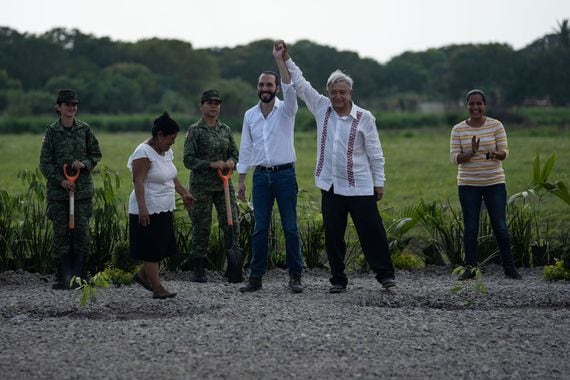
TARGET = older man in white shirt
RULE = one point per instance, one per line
(267, 146)
(349, 172)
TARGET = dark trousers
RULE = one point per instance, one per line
(371, 233)
(495, 197)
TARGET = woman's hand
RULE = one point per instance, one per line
(78, 165)
(475, 145)
(67, 185)
(230, 164)
(144, 217)
(188, 200)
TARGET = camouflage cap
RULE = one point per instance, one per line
(210, 95)
(67, 96)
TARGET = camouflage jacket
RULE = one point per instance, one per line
(204, 145)
(64, 145)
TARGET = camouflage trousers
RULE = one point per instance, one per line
(70, 247)
(201, 216)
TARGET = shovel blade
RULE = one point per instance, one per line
(235, 258)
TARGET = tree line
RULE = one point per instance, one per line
(152, 75)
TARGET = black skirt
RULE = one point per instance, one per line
(154, 242)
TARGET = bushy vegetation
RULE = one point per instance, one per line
(25, 237)
(153, 75)
(557, 272)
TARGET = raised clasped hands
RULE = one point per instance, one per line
(280, 51)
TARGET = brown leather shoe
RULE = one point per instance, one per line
(162, 293)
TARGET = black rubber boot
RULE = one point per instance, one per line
(199, 270)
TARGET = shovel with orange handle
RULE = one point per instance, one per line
(235, 254)
(71, 178)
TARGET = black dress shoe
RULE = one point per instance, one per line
(337, 288)
(253, 284)
(468, 274)
(512, 272)
(388, 282)
(295, 284)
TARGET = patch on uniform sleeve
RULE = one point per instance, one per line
(44, 138)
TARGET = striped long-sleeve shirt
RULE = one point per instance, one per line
(479, 171)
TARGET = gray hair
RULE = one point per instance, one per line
(339, 76)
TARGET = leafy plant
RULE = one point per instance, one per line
(478, 285)
(86, 291)
(445, 228)
(407, 261)
(119, 276)
(121, 256)
(557, 272)
(540, 179)
(108, 225)
(312, 242)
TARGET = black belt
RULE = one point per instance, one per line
(275, 168)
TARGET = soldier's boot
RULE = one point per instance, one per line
(76, 267)
(199, 274)
(63, 273)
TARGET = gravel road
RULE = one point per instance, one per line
(519, 330)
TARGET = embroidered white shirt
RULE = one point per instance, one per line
(349, 152)
(159, 181)
(269, 141)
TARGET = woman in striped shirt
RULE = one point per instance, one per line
(477, 146)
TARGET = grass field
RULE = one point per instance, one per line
(417, 163)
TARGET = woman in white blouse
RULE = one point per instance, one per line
(152, 202)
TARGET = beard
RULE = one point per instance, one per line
(265, 99)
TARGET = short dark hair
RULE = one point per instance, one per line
(277, 80)
(165, 124)
(475, 91)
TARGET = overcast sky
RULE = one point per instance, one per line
(376, 29)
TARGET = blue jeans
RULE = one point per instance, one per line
(495, 197)
(268, 187)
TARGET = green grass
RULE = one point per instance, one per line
(417, 163)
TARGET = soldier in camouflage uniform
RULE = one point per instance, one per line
(70, 141)
(209, 145)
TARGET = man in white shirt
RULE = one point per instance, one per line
(349, 172)
(267, 146)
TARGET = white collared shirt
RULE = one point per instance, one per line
(349, 153)
(269, 141)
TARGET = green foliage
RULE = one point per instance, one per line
(407, 261)
(119, 276)
(557, 272)
(476, 285)
(121, 257)
(183, 233)
(116, 76)
(108, 225)
(312, 233)
(86, 292)
(445, 228)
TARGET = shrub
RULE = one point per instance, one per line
(407, 261)
(119, 276)
(557, 272)
(121, 257)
